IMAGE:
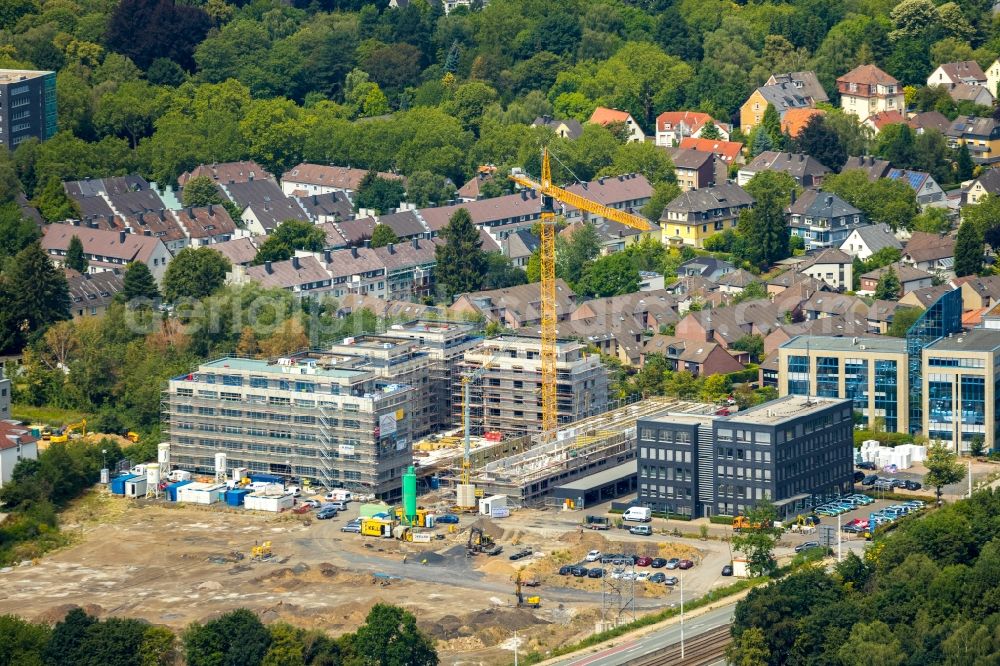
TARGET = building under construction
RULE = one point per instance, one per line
(507, 393)
(527, 469)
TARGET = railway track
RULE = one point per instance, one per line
(701, 650)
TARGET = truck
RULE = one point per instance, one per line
(639, 514)
(598, 523)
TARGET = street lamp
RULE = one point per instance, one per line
(682, 616)
(104, 462)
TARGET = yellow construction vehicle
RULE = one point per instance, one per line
(132, 436)
(376, 527)
(421, 519)
(533, 601)
(479, 541)
(261, 552)
(547, 254)
(64, 433)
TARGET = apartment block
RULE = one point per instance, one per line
(300, 417)
(870, 372)
(445, 343)
(507, 394)
(794, 451)
(27, 106)
(961, 380)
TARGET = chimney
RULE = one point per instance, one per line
(354, 251)
(367, 242)
(802, 157)
(392, 249)
(829, 200)
(416, 243)
(190, 211)
(328, 256)
(315, 200)
(524, 195)
(211, 210)
(296, 264)
(267, 267)
(163, 215)
(121, 237)
(793, 195)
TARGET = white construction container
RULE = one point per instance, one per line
(266, 502)
(201, 493)
(136, 487)
(494, 503)
(466, 493)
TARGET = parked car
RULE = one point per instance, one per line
(521, 554)
(352, 527)
(859, 477)
(641, 530)
(671, 580)
(596, 572)
(685, 564)
(673, 562)
(593, 556)
(869, 480)
(658, 577)
(607, 558)
(641, 576)
(865, 464)
(912, 485)
(326, 514)
(727, 570)
(311, 502)
(580, 572)
(565, 570)
(643, 561)
(446, 518)
(806, 546)
(658, 563)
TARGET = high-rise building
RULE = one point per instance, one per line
(27, 106)
(301, 417)
(507, 393)
(795, 452)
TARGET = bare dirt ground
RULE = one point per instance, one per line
(176, 564)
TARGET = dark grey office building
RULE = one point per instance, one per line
(27, 106)
(794, 451)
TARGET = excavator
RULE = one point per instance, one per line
(480, 542)
(63, 435)
(261, 552)
(533, 601)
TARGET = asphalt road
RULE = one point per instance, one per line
(635, 648)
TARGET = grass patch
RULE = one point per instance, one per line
(50, 415)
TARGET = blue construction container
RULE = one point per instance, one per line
(265, 478)
(236, 496)
(118, 483)
(172, 489)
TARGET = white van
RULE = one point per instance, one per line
(339, 495)
(639, 514)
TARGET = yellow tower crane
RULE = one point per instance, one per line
(547, 254)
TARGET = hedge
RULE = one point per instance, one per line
(883, 438)
(721, 520)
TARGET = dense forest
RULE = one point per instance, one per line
(158, 86)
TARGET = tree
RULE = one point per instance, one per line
(771, 123)
(289, 236)
(963, 163)
(764, 225)
(23, 642)
(287, 646)
(75, 258)
(53, 203)
(663, 194)
(942, 468)
(969, 249)
(33, 295)
(821, 142)
(16, 232)
(753, 344)
(895, 143)
(138, 283)
(985, 218)
(194, 273)
(749, 649)
(382, 235)
(238, 637)
(575, 251)
(424, 188)
(145, 30)
(902, 319)
(461, 263)
(977, 446)
(761, 142)
(390, 637)
(200, 191)
(383, 195)
(501, 273)
(710, 131)
(758, 540)
(888, 286)
(612, 275)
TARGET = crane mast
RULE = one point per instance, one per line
(547, 256)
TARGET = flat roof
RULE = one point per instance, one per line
(258, 365)
(978, 339)
(682, 419)
(15, 75)
(604, 477)
(844, 344)
(784, 409)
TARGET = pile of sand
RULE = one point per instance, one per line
(488, 627)
(489, 528)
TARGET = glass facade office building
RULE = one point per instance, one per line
(940, 320)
